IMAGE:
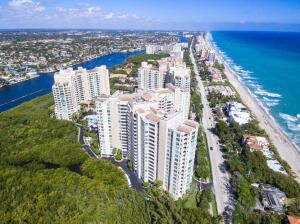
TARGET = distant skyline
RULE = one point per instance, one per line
(156, 14)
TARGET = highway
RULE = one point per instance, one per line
(221, 186)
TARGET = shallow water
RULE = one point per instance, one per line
(268, 63)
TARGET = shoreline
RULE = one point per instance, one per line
(287, 149)
(56, 70)
(23, 80)
(11, 92)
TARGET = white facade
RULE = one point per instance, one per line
(71, 87)
(237, 112)
(180, 155)
(182, 98)
(152, 49)
(140, 124)
(180, 76)
(149, 78)
(170, 70)
(64, 94)
(112, 121)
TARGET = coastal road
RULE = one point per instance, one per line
(221, 185)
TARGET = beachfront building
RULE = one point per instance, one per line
(256, 143)
(261, 144)
(224, 90)
(72, 87)
(148, 127)
(215, 75)
(238, 113)
(149, 77)
(275, 165)
(211, 56)
(272, 198)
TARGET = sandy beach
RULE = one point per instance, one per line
(286, 148)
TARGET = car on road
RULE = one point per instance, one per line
(211, 148)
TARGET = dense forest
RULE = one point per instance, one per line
(47, 178)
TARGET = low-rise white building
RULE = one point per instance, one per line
(276, 166)
(261, 144)
(256, 143)
(237, 112)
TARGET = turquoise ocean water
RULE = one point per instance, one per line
(268, 63)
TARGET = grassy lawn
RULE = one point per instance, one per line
(214, 207)
(208, 158)
(191, 201)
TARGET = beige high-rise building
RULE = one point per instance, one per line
(180, 76)
(140, 125)
(170, 70)
(72, 87)
(149, 77)
(177, 148)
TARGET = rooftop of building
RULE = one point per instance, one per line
(272, 198)
(224, 90)
(153, 117)
(64, 75)
(185, 128)
(293, 219)
(276, 166)
(256, 142)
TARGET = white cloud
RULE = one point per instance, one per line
(123, 16)
(61, 9)
(93, 10)
(27, 13)
(26, 4)
(135, 16)
(109, 15)
(19, 3)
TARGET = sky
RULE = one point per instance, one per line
(152, 14)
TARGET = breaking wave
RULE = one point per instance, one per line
(288, 117)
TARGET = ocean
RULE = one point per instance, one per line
(268, 63)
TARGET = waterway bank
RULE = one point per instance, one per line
(14, 95)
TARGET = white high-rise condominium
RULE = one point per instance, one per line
(66, 102)
(170, 70)
(178, 139)
(163, 148)
(139, 124)
(152, 49)
(72, 87)
(182, 99)
(149, 77)
(180, 76)
(112, 122)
